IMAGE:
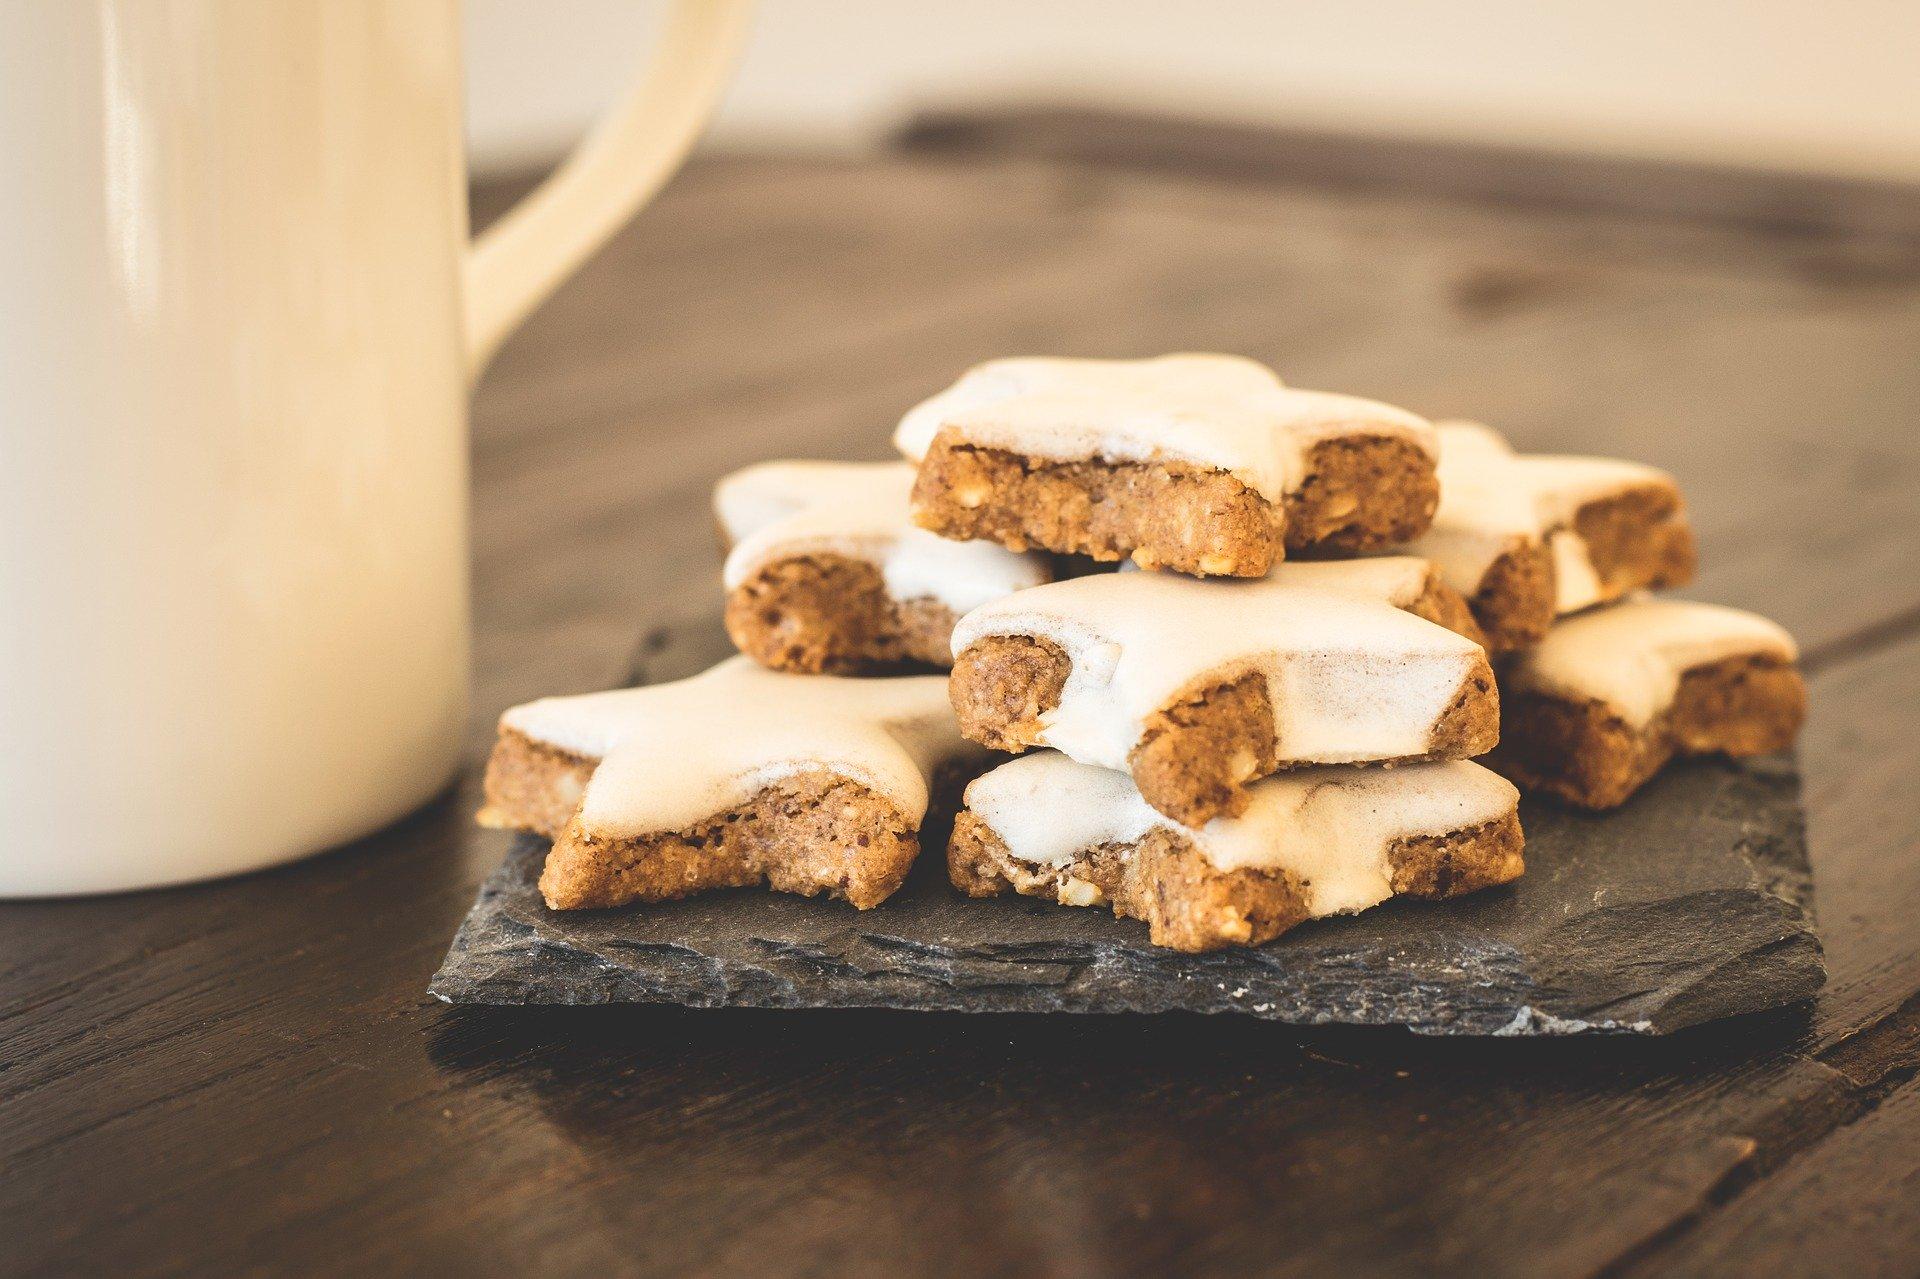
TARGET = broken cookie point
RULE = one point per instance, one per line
(828, 571)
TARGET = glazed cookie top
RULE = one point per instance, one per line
(1332, 829)
(779, 510)
(1398, 580)
(1219, 411)
(1631, 656)
(1492, 499)
(674, 754)
(1352, 677)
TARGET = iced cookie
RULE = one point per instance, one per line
(828, 573)
(1611, 695)
(737, 776)
(1203, 464)
(1320, 841)
(1197, 688)
(1527, 538)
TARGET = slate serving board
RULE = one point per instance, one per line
(1690, 903)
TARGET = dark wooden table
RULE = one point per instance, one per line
(249, 1076)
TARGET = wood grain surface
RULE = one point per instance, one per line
(249, 1077)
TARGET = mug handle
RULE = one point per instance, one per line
(628, 156)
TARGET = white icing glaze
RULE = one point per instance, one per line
(1632, 655)
(1220, 411)
(1331, 828)
(780, 510)
(1493, 500)
(1576, 582)
(673, 754)
(1351, 678)
(1398, 580)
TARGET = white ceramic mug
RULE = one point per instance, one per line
(239, 316)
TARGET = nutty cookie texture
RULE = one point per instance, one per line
(738, 776)
(827, 572)
(1530, 537)
(1611, 695)
(1203, 464)
(1195, 689)
(1308, 844)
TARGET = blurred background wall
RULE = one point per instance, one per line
(1823, 86)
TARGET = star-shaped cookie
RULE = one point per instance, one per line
(1593, 711)
(810, 783)
(828, 573)
(1310, 843)
(1205, 464)
(1197, 688)
(1529, 537)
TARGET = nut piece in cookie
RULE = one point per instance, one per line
(1198, 688)
(826, 572)
(738, 776)
(1530, 537)
(1599, 706)
(1321, 841)
(1203, 464)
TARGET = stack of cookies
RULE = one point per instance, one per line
(1266, 715)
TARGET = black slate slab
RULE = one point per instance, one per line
(1692, 902)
